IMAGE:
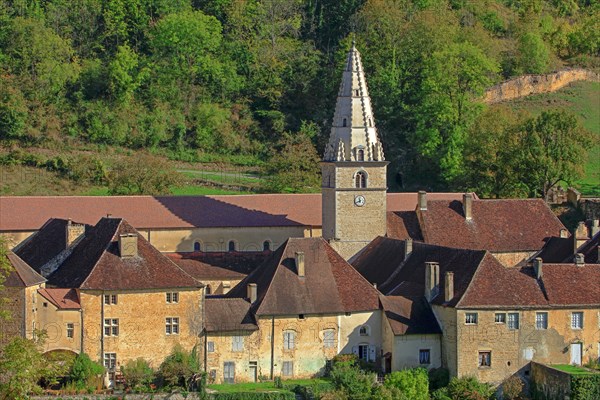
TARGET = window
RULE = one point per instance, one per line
(471, 318)
(363, 352)
(356, 92)
(541, 320)
(360, 179)
(111, 327)
(172, 326)
(266, 245)
(577, 320)
(237, 343)
(424, 356)
(208, 289)
(231, 245)
(210, 347)
(197, 246)
(45, 304)
(110, 361)
(500, 318)
(329, 338)
(70, 330)
(110, 299)
(485, 358)
(288, 368)
(513, 320)
(301, 316)
(289, 340)
(364, 330)
(344, 122)
(172, 297)
(360, 155)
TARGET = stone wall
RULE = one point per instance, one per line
(550, 383)
(534, 84)
(590, 207)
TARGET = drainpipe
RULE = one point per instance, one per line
(272, 346)
(102, 328)
(81, 330)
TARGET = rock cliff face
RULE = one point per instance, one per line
(533, 84)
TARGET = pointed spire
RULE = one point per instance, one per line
(353, 134)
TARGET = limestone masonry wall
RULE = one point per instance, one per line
(534, 84)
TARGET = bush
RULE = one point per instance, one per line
(438, 378)
(84, 370)
(585, 387)
(512, 387)
(254, 396)
(179, 367)
(137, 373)
(350, 380)
(412, 383)
(469, 388)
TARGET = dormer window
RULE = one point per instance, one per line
(360, 179)
(364, 330)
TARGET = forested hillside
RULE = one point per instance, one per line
(254, 83)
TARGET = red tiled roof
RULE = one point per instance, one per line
(590, 250)
(496, 225)
(218, 266)
(330, 284)
(228, 315)
(63, 299)
(409, 315)
(95, 263)
(21, 274)
(168, 212)
(380, 259)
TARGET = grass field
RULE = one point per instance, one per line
(583, 100)
(265, 386)
(573, 369)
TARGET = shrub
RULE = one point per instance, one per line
(348, 378)
(254, 396)
(84, 369)
(469, 388)
(413, 383)
(512, 387)
(137, 373)
(438, 378)
(179, 367)
(585, 387)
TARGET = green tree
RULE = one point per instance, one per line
(412, 383)
(179, 367)
(533, 53)
(5, 269)
(123, 74)
(13, 112)
(145, 175)
(554, 149)
(137, 373)
(83, 370)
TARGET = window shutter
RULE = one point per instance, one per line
(355, 350)
(372, 352)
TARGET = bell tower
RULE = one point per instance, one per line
(353, 168)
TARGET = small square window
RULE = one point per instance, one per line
(288, 368)
(172, 297)
(110, 299)
(485, 359)
(70, 330)
(210, 347)
(301, 316)
(111, 327)
(424, 356)
(513, 321)
(172, 326)
(237, 343)
(45, 304)
(110, 361)
(541, 320)
(500, 318)
(364, 330)
(577, 320)
(471, 318)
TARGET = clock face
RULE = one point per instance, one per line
(359, 201)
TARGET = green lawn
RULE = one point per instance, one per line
(583, 100)
(265, 386)
(572, 369)
(178, 191)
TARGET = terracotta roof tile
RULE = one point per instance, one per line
(380, 259)
(63, 299)
(590, 250)
(330, 284)
(219, 266)
(228, 315)
(410, 315)
(557, 250)
(147, 212)
(95, 263)
(21, 274)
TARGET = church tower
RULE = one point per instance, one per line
(353, 168)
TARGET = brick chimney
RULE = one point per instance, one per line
(300, 267)
(128, 245)
(408, 248)
(468, 206)
(432, 280)
(252, 292)
(449, 286)
(579, 260)
(564, 233)
(537, 267)
(74, 232)
(422, 200)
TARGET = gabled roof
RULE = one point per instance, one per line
(380, 259)
(219, 266)
(171, 212)
(409, 315)
(45, 244)
(330, 284)
(21, 274)
(228, 315)
(63, 299)
(95, 263)
(590, 250)
(496, 225)
(557, 249)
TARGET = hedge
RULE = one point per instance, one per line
(254, 396)
(585, 387)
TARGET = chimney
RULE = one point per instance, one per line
(128, 245)
(564, 233)
(422, 200)
(595, 227)
(432, 280)
(300, 263)
(449, 287)
(579, 260)
(468, 206)
(537, 267)
(74, 232)
(408, 248)
(252, 290)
